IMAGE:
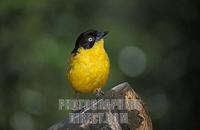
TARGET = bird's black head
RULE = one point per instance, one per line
(87, 39)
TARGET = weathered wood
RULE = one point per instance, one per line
(138, 117)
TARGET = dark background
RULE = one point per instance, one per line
(153, 44)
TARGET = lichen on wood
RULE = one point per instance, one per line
(138, 116)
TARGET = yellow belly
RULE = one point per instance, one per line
(88, 70)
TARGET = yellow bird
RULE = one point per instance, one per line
(88, 67)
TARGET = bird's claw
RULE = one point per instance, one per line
(99, 93)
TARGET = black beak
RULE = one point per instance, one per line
(100, 35)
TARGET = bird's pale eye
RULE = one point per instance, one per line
(90, 39)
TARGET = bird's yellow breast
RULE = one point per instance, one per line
(89, 68)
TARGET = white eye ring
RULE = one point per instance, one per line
(90, 39)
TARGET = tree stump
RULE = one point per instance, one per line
(138, 116)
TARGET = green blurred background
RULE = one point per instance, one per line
(154, 45)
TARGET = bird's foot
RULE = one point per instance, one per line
(99, 93)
